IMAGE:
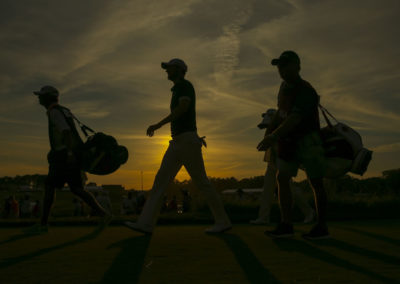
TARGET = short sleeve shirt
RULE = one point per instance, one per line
(301, 98)
(187, 121)
(58, 124)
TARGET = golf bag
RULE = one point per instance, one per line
(266, 118)
(101, 154)
(343, 148)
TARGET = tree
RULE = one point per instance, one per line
(392, 179)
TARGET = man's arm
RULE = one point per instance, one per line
(290, 123)
(60, 122)
(68, 141)
(182, 107)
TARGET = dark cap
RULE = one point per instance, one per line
(175, 62)
(47, 90)
(287, 56)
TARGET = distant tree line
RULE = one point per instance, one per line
(36, 181)
(388, 183)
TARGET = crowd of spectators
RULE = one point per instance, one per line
(22, 208)
(131, 204)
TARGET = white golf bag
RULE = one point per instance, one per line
(343, 148)
(343, 145)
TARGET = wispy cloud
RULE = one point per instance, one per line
(228, 45)
(104, 56)
(388, 148)
(15, 121)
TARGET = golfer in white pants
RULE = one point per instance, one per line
(184, 150)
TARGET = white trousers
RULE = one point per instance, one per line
(184, 150)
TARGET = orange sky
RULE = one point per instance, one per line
(104, 57)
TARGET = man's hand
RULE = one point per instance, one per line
(151, 129)
(266, 143)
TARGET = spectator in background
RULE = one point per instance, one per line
(140, 201)
(103, 199)
(128, 206)
(20, 202)
(7, 207)
(173, 205)
(26, 207)
(14, 207)
(187, 199)
(36, 209)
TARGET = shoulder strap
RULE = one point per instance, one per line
(83, 127)
(324, 112)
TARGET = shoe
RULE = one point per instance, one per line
(136, 227)
(37, 229)
(283, 230)
(310, 217)
(318, 232)
(218, 228)
(259, 222)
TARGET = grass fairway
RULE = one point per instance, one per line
(359, 252)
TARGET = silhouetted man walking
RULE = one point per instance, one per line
(63, 158)
(295, 132)
(184, 149)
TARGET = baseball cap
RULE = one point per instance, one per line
(47, 90)
(286, 57)
(175, 62)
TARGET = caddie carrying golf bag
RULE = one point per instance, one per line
(101, 154)
(343, 148)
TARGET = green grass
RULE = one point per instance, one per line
(359, 252)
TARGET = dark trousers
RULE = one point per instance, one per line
(59, 174)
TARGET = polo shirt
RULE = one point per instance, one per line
(187, 121)
(301, 98)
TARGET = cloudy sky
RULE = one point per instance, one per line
(104, 57)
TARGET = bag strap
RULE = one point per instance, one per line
(83, 127)
(324, 112)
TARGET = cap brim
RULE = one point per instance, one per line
(164, 65)
(38, 93)
(275, 61)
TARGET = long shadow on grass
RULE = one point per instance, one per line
(379, 237)
(14, 260)
(254, 270)
(17, 238)
(311, 251)
(359, 250)
(128, 264)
